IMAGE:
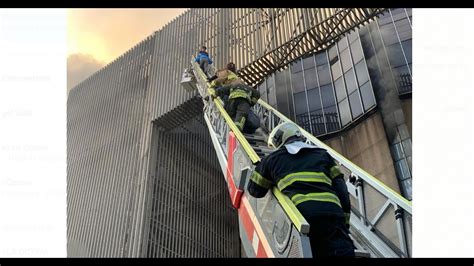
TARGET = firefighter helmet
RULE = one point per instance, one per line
(281, 133)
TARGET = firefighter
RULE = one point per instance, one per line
(309, 176)
(237, 95)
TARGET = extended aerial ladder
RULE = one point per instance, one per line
(272, 226)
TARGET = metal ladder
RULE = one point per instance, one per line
(272, 226)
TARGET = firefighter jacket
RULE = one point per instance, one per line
(310, 178)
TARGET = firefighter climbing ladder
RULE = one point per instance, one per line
(272, 226)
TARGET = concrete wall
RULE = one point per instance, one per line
(366, 145)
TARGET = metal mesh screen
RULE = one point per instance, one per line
(191, 214)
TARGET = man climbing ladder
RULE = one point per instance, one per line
(309, 176)
(240, 95)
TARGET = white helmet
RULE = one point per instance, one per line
(281, 133)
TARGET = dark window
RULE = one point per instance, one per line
(296, 67)
(402, 169)
(327, 95)
(336, 70)
(332, 53)
(342, 44)
(340, 90)
(323, 74)
(407, 49)
(353, 36)
(314, 100)
(345, 112)
(346, 60)
(389, 35)
(367, 96)
(403, 78)
(398, 13)
(404, 29)
(408, 10)
(331, 118)
(308, 62)
(395, 55)
(386, 18)
(351, 83)
(317, 122)
(310, 78)
(297, 81)
(356, 105)
(407, 188)
(321, 58)
(300, 103)
(357, 53)
(303, 121)
(361, 72)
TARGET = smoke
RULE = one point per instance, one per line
(80, 67)
(97, 36)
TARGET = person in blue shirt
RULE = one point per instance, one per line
(204, 59)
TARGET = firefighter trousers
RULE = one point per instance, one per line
(238, 110)
(329, 237)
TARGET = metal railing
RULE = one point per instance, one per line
(385, 233)
(220, 125)
(389, 232)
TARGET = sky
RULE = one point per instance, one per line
(97, 36)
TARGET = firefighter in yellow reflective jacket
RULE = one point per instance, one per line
(311, 179)
(240, 95)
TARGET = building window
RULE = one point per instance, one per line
(407, 49)
(351, 83)
(303, 121)
(314, 99)
(384, 19)
(321, 58)
(297, 82)
(300, 103)
(353, 36)
(317, 122)
(346, 61)
(332, 54)
(356, 50)
(395, 55)
(332, 118)
(336, 70)
(403, 79)
(398, 13)
(345, 112)
(342, 44)
(367, 94)
(361, 72)
(308, 63)
(356, 106)
(404, 29)
(389, 35)
(340, 90)
(310, 78)
(327, 95)
(323, 75)
(296, 67)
